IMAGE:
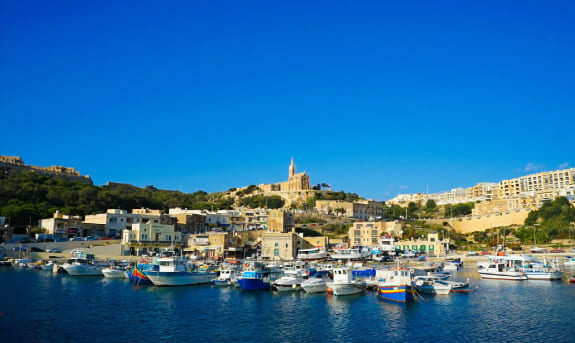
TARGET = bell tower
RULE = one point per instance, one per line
(291, 169)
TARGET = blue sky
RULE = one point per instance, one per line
(374, 97)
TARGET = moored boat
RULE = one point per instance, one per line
(254, 276)
(176, 271)
(312, 254)
(433, 286)
(344, 284)
(82, 264)
(501, 271)
(395, 285)
(316, 283)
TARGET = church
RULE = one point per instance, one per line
(295, 182)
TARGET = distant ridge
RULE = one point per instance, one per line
(16, 163)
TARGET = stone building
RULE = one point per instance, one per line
(281, 221)
(296, 182)
(368, 233)
(361, 209)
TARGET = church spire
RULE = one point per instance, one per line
(291, 169)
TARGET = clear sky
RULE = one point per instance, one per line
(373, 97)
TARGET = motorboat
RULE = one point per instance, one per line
(431, 285)
(287, 283)
(312, 254)
(114, 272)
(316, 283)
(177, 271)
(350, 254)
(227, 277)
(82, 264)
(530, 266)
(395, 284)
(343, 283)
(501, 271)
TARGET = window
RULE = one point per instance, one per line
(277, 245)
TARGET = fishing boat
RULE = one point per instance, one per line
(254, 276)
(344, 283)
(82, 264)
(317, 283)
(395, 285)
(530, 266)
(177, 271)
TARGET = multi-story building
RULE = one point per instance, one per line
(280, 246)
(143, 238)
(62, 226)
(432, 245)
(255, 219)
(526, 192)
(361, 209)
(117, 220)
(281, 221)
(368, 233)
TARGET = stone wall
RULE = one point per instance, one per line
(472, 224)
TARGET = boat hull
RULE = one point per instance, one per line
(113, 273)
(82, 270)
(254, 284)
(397, 293)
(513, 276)
(180, 278)
(345, 288)
(543, 275)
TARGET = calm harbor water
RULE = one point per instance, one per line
(39, 306)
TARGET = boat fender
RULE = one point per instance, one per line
(412, 271)
(246, 265)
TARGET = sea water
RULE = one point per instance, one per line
(39, 306)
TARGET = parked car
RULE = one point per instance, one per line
(104, 238)
(89, 238)
(22, 248)
(484, 252)
(36, 249)
(54, 250)
(409, 254)
(557, 250)
(472, 253)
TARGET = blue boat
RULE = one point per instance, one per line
(254, 276)
(395, 285)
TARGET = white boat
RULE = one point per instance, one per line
(49, 265)
(287, 283)
(174, 271)
(227, 277)
(115, 273)
(317, 283)
(312, 254)
(450, 267)
(349, 254)
(82, 264)
(344, 284)
(431, 285)
(569, 262)
(21, 262)
(529, 265)
(501, 271)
